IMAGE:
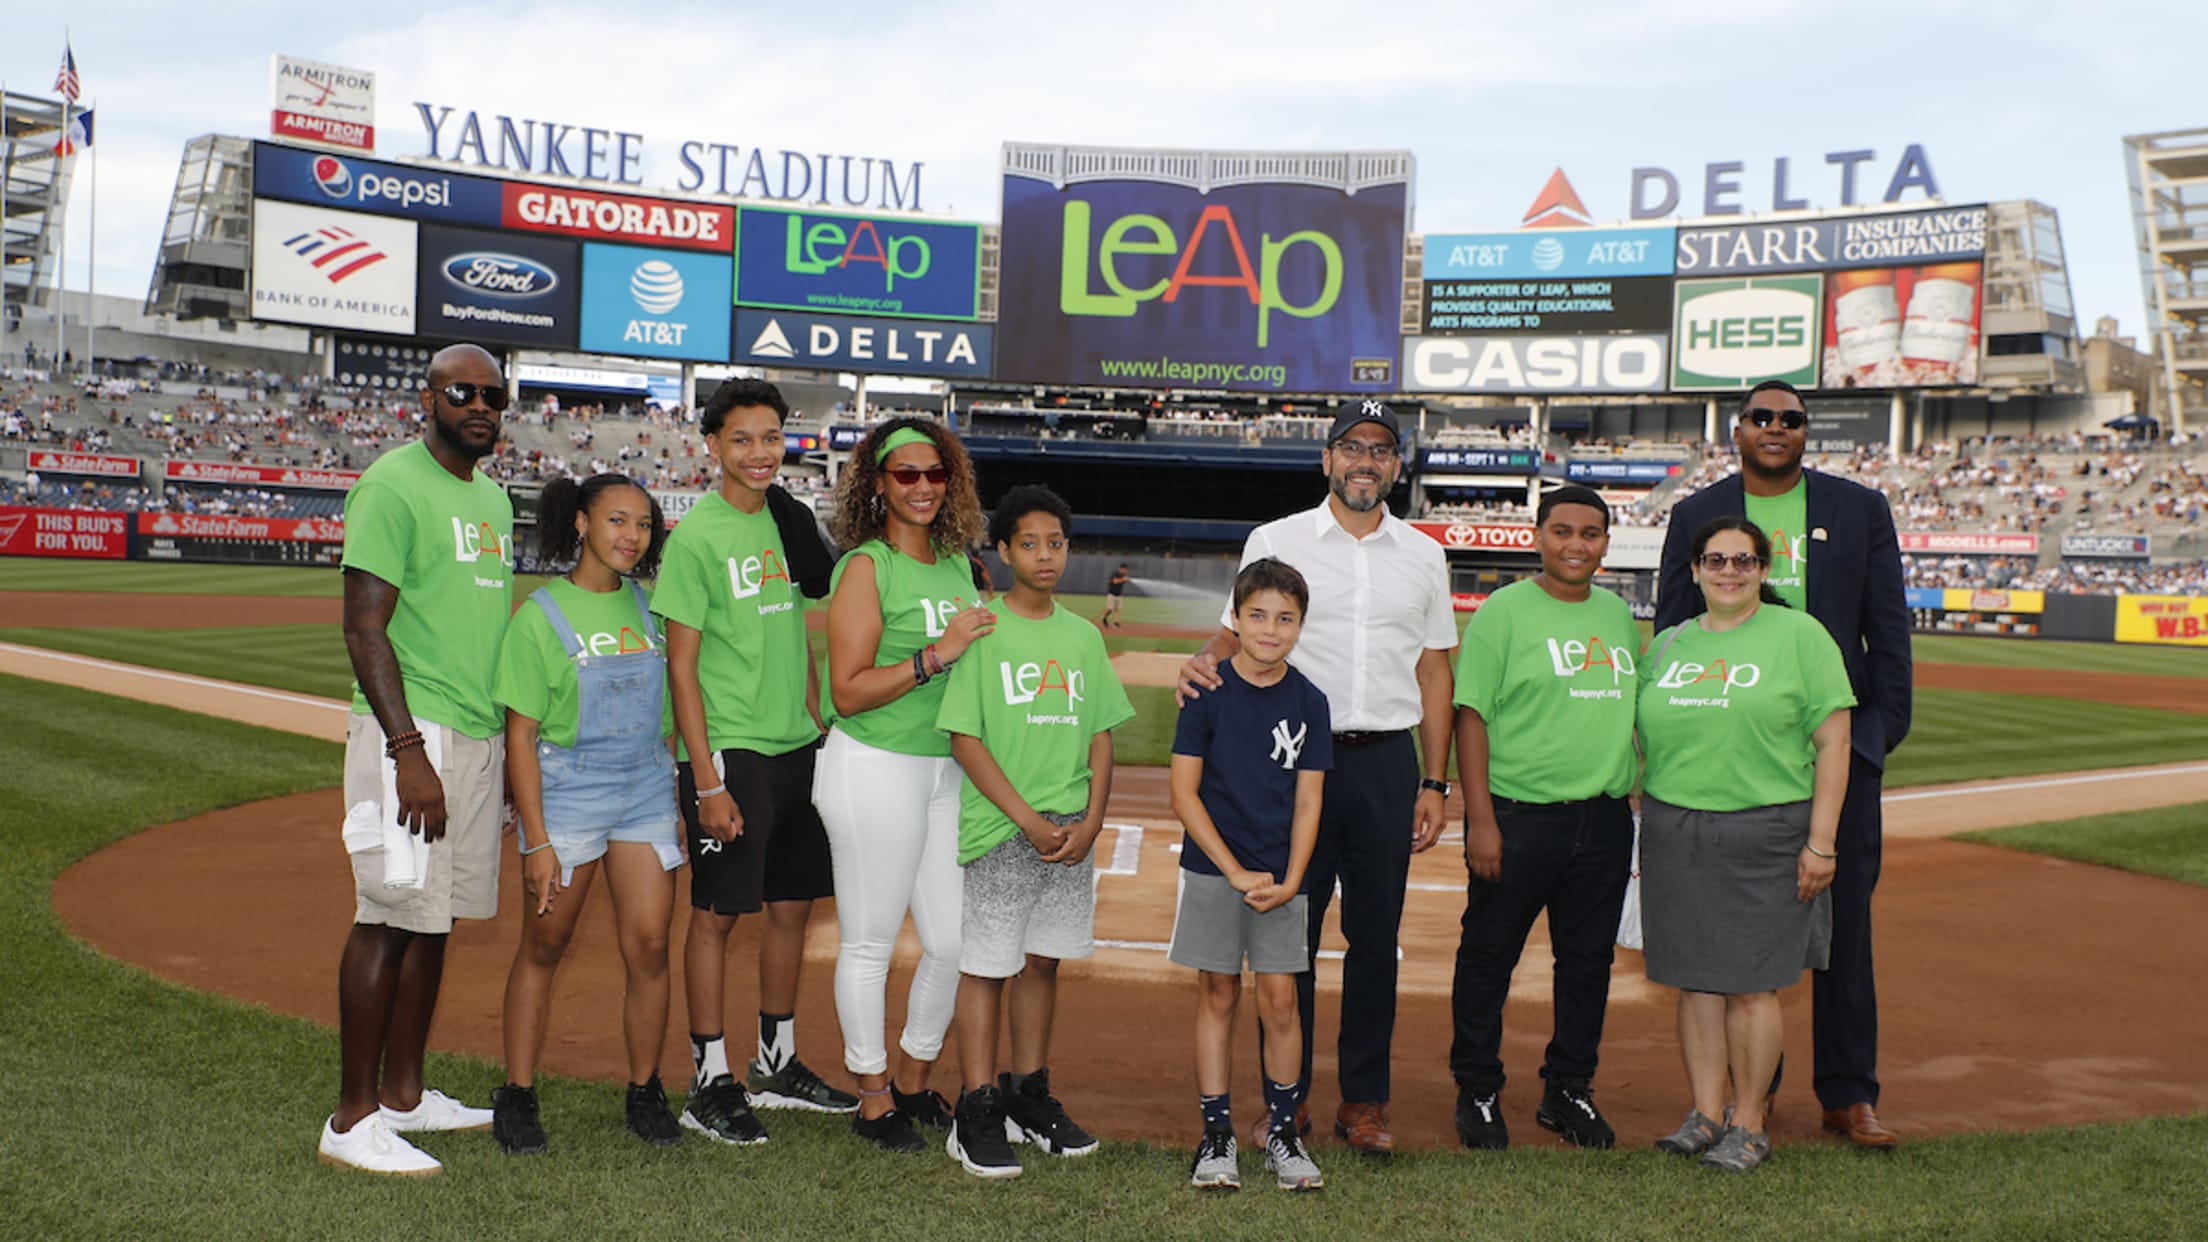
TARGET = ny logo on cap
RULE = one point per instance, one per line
(1372, 409)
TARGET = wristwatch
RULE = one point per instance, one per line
(1440, 787)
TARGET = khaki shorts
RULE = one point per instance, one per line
(463, 867)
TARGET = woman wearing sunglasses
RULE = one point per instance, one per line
(903, 609)
(1743, 719)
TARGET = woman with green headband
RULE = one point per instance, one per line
(903, 609)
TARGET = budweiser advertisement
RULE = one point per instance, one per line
(220, 526)
(297, 477)
(1957, 543)
(64, 532)
(98, 465)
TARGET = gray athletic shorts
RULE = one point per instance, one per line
(1016, 904)
(463, 866)
(1214, 929)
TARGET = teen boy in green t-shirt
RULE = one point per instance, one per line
(1545, 692)
(1030, 711)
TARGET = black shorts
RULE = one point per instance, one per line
(782, 853)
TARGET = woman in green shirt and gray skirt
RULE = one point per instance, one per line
(1743, 719)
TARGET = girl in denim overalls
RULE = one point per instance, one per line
(584, 680)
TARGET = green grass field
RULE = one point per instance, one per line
(2170, 841)
(141, 1110)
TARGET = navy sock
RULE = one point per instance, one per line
(1216, 1115)
(1013, 1082)
(1280, 1101)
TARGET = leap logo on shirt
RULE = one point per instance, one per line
(1029, 681)
(623, 643)
(472, 540)
(1572, 657)
(1686, 675)
(936, 614)
(748, 576)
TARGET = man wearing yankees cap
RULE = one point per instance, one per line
(1379, 641)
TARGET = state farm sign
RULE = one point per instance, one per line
(260, 476)
(97, 464)
(215, 526)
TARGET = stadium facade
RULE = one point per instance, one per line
(2168, 173)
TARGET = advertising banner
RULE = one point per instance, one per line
(1617, 470)
(1902, 327)
(598, 216)
(1251, 286)
(1573, 364)
(1845, 424)
(1950, 543)
(2180, 620)
(379, 366)
(324, 179)
(1483, 460)
(843, 437)
(1939, 235)
(216, 526)
(857, 265)
(1550, 305)
(1732, 334)
(94, 465)
(333, 269)
(480, 285)
(2107, 547)
(1964, 599)
(1478, 536)
(864, 345)
(1635, 547)
(655, 303)
(1547, 254)
(322, 103)
(64, 532)
(299, 478)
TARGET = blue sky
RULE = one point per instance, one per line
(2007, 100)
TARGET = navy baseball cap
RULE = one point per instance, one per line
(1368, 410)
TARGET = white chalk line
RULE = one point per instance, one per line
(186, 679)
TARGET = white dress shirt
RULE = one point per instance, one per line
(1377, 604)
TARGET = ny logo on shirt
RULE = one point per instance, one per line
(1288, 747)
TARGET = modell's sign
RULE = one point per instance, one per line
(1478, 536)
(216, 526)
(1958, 544)
(95, 464)
(323, 103)
(260, 476)
(619, 217)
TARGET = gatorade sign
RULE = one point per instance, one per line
(1734, 334)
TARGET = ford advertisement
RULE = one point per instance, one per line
(476, 285)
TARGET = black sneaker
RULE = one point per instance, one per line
(1037, 1117)
(719, 1111)
(923, 1108)
(1480, 1124)
(892, 1131)
(648, 1116)
(514, 1121)
(795, 1085)
(1568, 1108)
(977, 1139)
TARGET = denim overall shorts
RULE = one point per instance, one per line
(617, 783)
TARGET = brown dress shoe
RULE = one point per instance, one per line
(1263, 1128)
(1859, 1124)
(1365, 1128)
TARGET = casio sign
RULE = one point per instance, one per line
(499, 275)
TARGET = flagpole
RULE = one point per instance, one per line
(61, 246)
(7, 173)
(91, 245)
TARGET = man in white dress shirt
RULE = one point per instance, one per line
(1379, 641)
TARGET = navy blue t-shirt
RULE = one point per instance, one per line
(1253, 741)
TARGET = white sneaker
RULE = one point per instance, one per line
(372, 1146)
(437, 1111)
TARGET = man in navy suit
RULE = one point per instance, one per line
(1833, 553)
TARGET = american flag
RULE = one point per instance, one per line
(65, 82)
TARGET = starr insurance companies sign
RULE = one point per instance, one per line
(327, 104)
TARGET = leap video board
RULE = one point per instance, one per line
(830, 263)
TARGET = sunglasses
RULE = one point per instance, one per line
(1742, 561)
(1792, 420)
(494, 396)
(909, 476)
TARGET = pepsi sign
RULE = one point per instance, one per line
(510, 288)
(650, 303)
(322, 179)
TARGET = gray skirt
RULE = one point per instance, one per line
(1718, 906)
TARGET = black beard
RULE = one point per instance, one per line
(450, 438)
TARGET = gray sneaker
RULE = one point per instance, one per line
(1739, 1151)
(1695, 1135)
(1216, 1166)
(1292, 1166)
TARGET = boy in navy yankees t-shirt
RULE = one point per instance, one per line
(1249, 767)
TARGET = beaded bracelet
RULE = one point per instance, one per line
(936, 662)
(920, 672)
(403, 741)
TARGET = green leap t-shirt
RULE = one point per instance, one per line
(724, 575)
(1786, 519)
(448, 546)
(917, 602)
(537, 678)
(1555, 683)
(1034, 692)
(1726, 719)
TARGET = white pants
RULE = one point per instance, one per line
(892, 825)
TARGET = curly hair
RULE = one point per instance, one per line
(860, 515)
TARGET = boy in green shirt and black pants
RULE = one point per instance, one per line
(1546, 685)
(1029, 709)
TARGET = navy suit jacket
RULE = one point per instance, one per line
(1854, 588)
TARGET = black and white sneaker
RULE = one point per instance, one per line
(1568, 1108)
(977, 1140)
(648, 1118)
(1035, 1116)
(1217, 1166)
(795, 1085)
(923, 1108)
(1480, 1124)
(1292, 1166)
(514, 1121)
(892, 1132)
(719, 1111)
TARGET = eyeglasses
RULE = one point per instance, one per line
(1742, 561)
(1792, 420)
(494, 396)
(1360, 450)
(910, 476)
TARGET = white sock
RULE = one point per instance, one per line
(777, 1041)
(710, 1056)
